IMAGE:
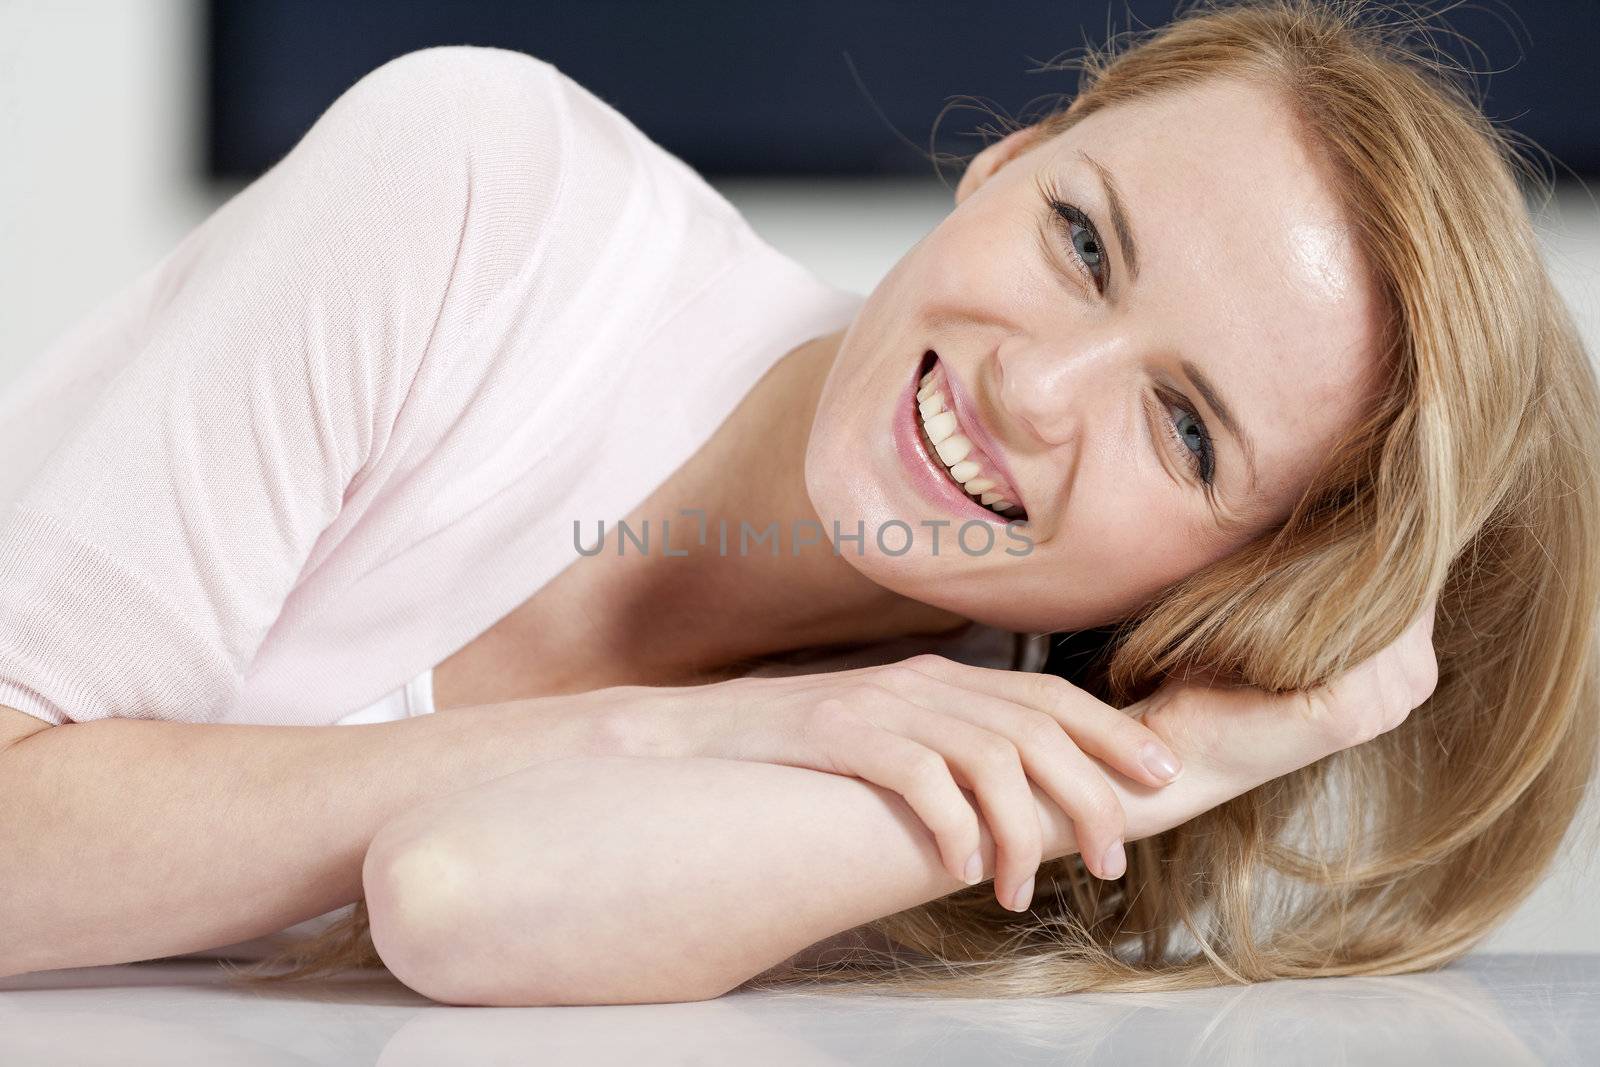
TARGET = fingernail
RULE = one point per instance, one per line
(974, 871)
(1160, 761)
(1024, 896)
(1115, 862)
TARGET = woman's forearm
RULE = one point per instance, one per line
(639, 880)
(133, 839)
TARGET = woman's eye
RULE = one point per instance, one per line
(1088, 247)
(1192, 439)
(1084, 242)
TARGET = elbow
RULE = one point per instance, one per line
(414, 892)
(443, 932)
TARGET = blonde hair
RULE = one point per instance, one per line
(1477, 478)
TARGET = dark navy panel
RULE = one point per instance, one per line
(761, 86)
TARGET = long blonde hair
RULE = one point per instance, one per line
(1477, 479)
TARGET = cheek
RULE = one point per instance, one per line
(1125, 540)
(849, 463)
(826, 479)
(979, 266)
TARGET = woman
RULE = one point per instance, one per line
(500, 316)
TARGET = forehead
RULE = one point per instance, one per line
(1248, 265)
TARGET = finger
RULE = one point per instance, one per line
(856, 747)
(988, 764)
(1094, 726)
(1379, 693)
(1049, 756)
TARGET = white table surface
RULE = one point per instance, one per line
(1485, 1009)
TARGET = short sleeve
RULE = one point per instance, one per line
(144, 562)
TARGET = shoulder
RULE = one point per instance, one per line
(487, 123)
(508, 105)
(462, 88)
(527, 148)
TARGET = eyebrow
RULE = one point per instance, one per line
(1119, 216)
(1215, 402)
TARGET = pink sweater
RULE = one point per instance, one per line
(348, 423)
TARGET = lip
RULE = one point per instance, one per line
(974, 428)
(925, 472)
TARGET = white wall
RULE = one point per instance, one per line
(99, 112)
(98, 108)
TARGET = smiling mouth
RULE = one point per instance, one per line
(952, 450)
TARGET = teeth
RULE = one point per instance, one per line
(940, 426)
(953, 449)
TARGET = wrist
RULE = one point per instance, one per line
(634, 720)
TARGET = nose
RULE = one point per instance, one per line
(1048, 388)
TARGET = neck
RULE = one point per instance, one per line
(700, 612)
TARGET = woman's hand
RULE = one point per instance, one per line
(925, 728)
(1241, 736)
(927, 725)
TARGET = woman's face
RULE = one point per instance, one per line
(1153, 393)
